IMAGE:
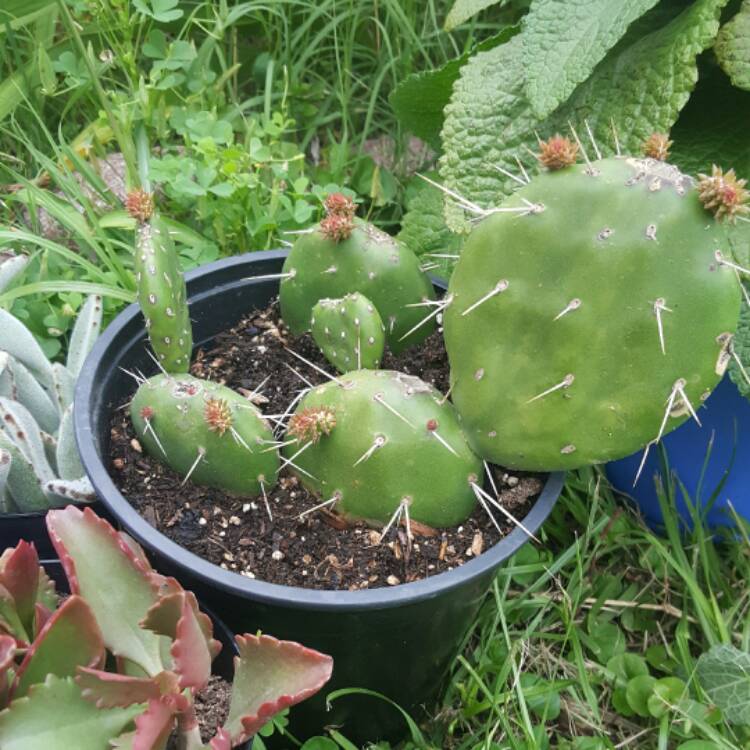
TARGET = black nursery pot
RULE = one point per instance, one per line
(223, 664)
(398, 641)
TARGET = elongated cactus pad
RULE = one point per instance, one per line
(349, 331)
(343, 255)
(161, 286)
(379, 438)
(592, 320)
(205, 432)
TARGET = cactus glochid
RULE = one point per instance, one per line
(379, 439)
(594, 314)
(39, 462)
(205, 432)
(344, 254)
(349, 332)
(161, 286)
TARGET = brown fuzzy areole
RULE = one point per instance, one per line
(337, 227)
(310, 424)
(723, 194)
(657, 146)
(218, 416)
(339, 204)
(140, 205)
(558, 152)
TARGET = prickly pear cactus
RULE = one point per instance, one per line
(342, 255)
(349, 331)
(377, 440)
(161, 286)
(590, 315)
(205, 432)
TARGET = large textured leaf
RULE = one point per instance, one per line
(112, 690)
(699, 142)
(68, 640)
(463, 10)
(733, 47)
(420, 99)
(54, 716)
(18, 341)
(269, 676)
(724, 673)
(640, 86)
(117, 587)
(85, 332)
(156, 723)
(19, 574)
(564, 40)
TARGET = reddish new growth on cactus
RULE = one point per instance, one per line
(657, 146)
(558, 152)
(337, 227)
(310, 424)
(147, 412)
(432, 425)
(218, 415)
(723, 194)
(339, 204)
(140, 205)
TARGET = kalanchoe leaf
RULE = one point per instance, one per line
(269, 676)
(7, 652)
(42, 613)
(118, 588)
(111, 690)
(54, 716)
(85, 332)
(19, 573)
(69, 639)
(222, 741)
(155, 724)
(9, 619)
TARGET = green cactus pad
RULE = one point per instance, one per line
(370, 262)
(572, 323)
(378, 436)
(190, 423)
(349, 331)
(162, 296)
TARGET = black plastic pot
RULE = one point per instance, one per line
(399, 641)
(223, 664)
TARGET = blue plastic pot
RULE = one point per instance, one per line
(726, 434)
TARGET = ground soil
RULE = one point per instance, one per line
(211, 708)
(269, 541)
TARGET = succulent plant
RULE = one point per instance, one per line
(54, 689)
(377, 442)
(39, 462)
(343, 255)
(593, 311)
(161, 286)
(205, 432)
(349, 332)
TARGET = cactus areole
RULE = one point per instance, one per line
(391, 441)
(595, 322)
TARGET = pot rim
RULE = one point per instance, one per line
(233, 583)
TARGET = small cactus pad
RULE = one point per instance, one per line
(349, 331)
(206, 432)
(161, 288)
(394, 438)
(367, 261)
(593, 323)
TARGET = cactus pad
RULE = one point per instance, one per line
(593, 320)
(342, 255)
(388, 437)
(205, 431)
(349, 331)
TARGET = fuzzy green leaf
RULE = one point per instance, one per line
(463, 10)
(641, 86)
(564, 40)
(54, 716)
(733, 47)
(420, 99)
(724, 673)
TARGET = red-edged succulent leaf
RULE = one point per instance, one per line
(118, 587)
(69, 639)
(41, 615)
(19, 573)
(7, 652)
(155, 724)
(9, 619)
(269, 676)
(190, 651)
(222, 741)
(111, 690)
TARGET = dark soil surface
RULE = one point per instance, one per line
(270, 541)
(211, 708)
